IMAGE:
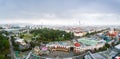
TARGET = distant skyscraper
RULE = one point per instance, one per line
(28, 32)
(79, 23)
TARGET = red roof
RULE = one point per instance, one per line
(77, 44)
(113, 34)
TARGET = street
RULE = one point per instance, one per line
(11, 49)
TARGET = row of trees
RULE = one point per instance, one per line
(4, 46)
(105, 47)
(16, 45)
(51, 35)
(88, 34)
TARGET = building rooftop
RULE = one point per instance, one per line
(10, 30)
(117, 46)
(87, 41)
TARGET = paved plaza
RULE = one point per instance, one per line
(61, 54)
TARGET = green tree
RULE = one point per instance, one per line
(4, 46)
(107, 45)
(51, 35)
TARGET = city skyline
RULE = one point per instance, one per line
(60, 12)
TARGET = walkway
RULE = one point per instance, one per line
(11, 49)
(60, 54)
(29, 55)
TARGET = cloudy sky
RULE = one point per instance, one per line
(65, 12)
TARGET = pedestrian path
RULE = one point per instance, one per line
(60, 54)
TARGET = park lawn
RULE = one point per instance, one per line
(28, 37)
(4, 57)
(3, 53)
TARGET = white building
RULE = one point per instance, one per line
(20, 41)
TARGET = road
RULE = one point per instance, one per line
(11, 49)
(29, 55)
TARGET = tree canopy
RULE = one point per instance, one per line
(51, 35)
(4, 46)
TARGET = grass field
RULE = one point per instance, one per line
(28, 37)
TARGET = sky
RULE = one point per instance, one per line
(60, 12)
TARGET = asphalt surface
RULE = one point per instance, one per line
(11, 49)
